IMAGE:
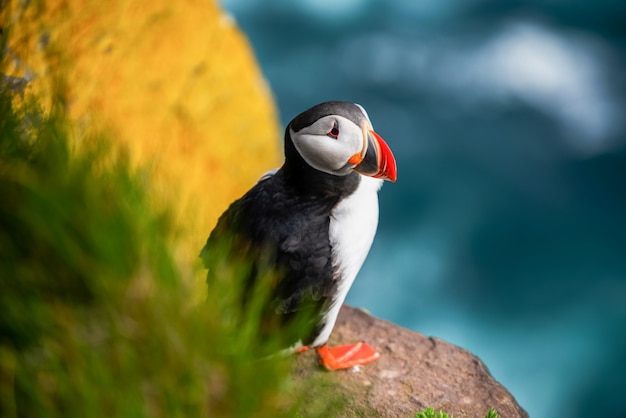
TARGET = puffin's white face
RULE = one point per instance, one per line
(329, 144)
(337, 138)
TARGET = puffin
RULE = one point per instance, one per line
(313, 222)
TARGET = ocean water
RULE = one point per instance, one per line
(505, 232)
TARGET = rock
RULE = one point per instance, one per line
(413, 372)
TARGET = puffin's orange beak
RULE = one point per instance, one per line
(376, 159)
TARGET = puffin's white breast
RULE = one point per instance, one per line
(353, 224)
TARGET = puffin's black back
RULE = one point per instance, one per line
(283, 222)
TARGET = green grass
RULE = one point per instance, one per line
(430, 413)
(96, 319)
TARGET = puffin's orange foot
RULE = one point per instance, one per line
(301, 349)
(346, 356)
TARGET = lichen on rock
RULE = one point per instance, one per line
(176, 83)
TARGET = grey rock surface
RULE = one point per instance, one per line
(413, 372)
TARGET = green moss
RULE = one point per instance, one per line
(430, 413)
(96, 319)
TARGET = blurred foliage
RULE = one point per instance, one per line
(176, 82)
(96, 320)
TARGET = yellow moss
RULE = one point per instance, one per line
(175, 80)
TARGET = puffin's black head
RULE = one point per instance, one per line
(337, 138)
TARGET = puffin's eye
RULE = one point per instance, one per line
(334, 133)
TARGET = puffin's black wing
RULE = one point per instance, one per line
(274, 226)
